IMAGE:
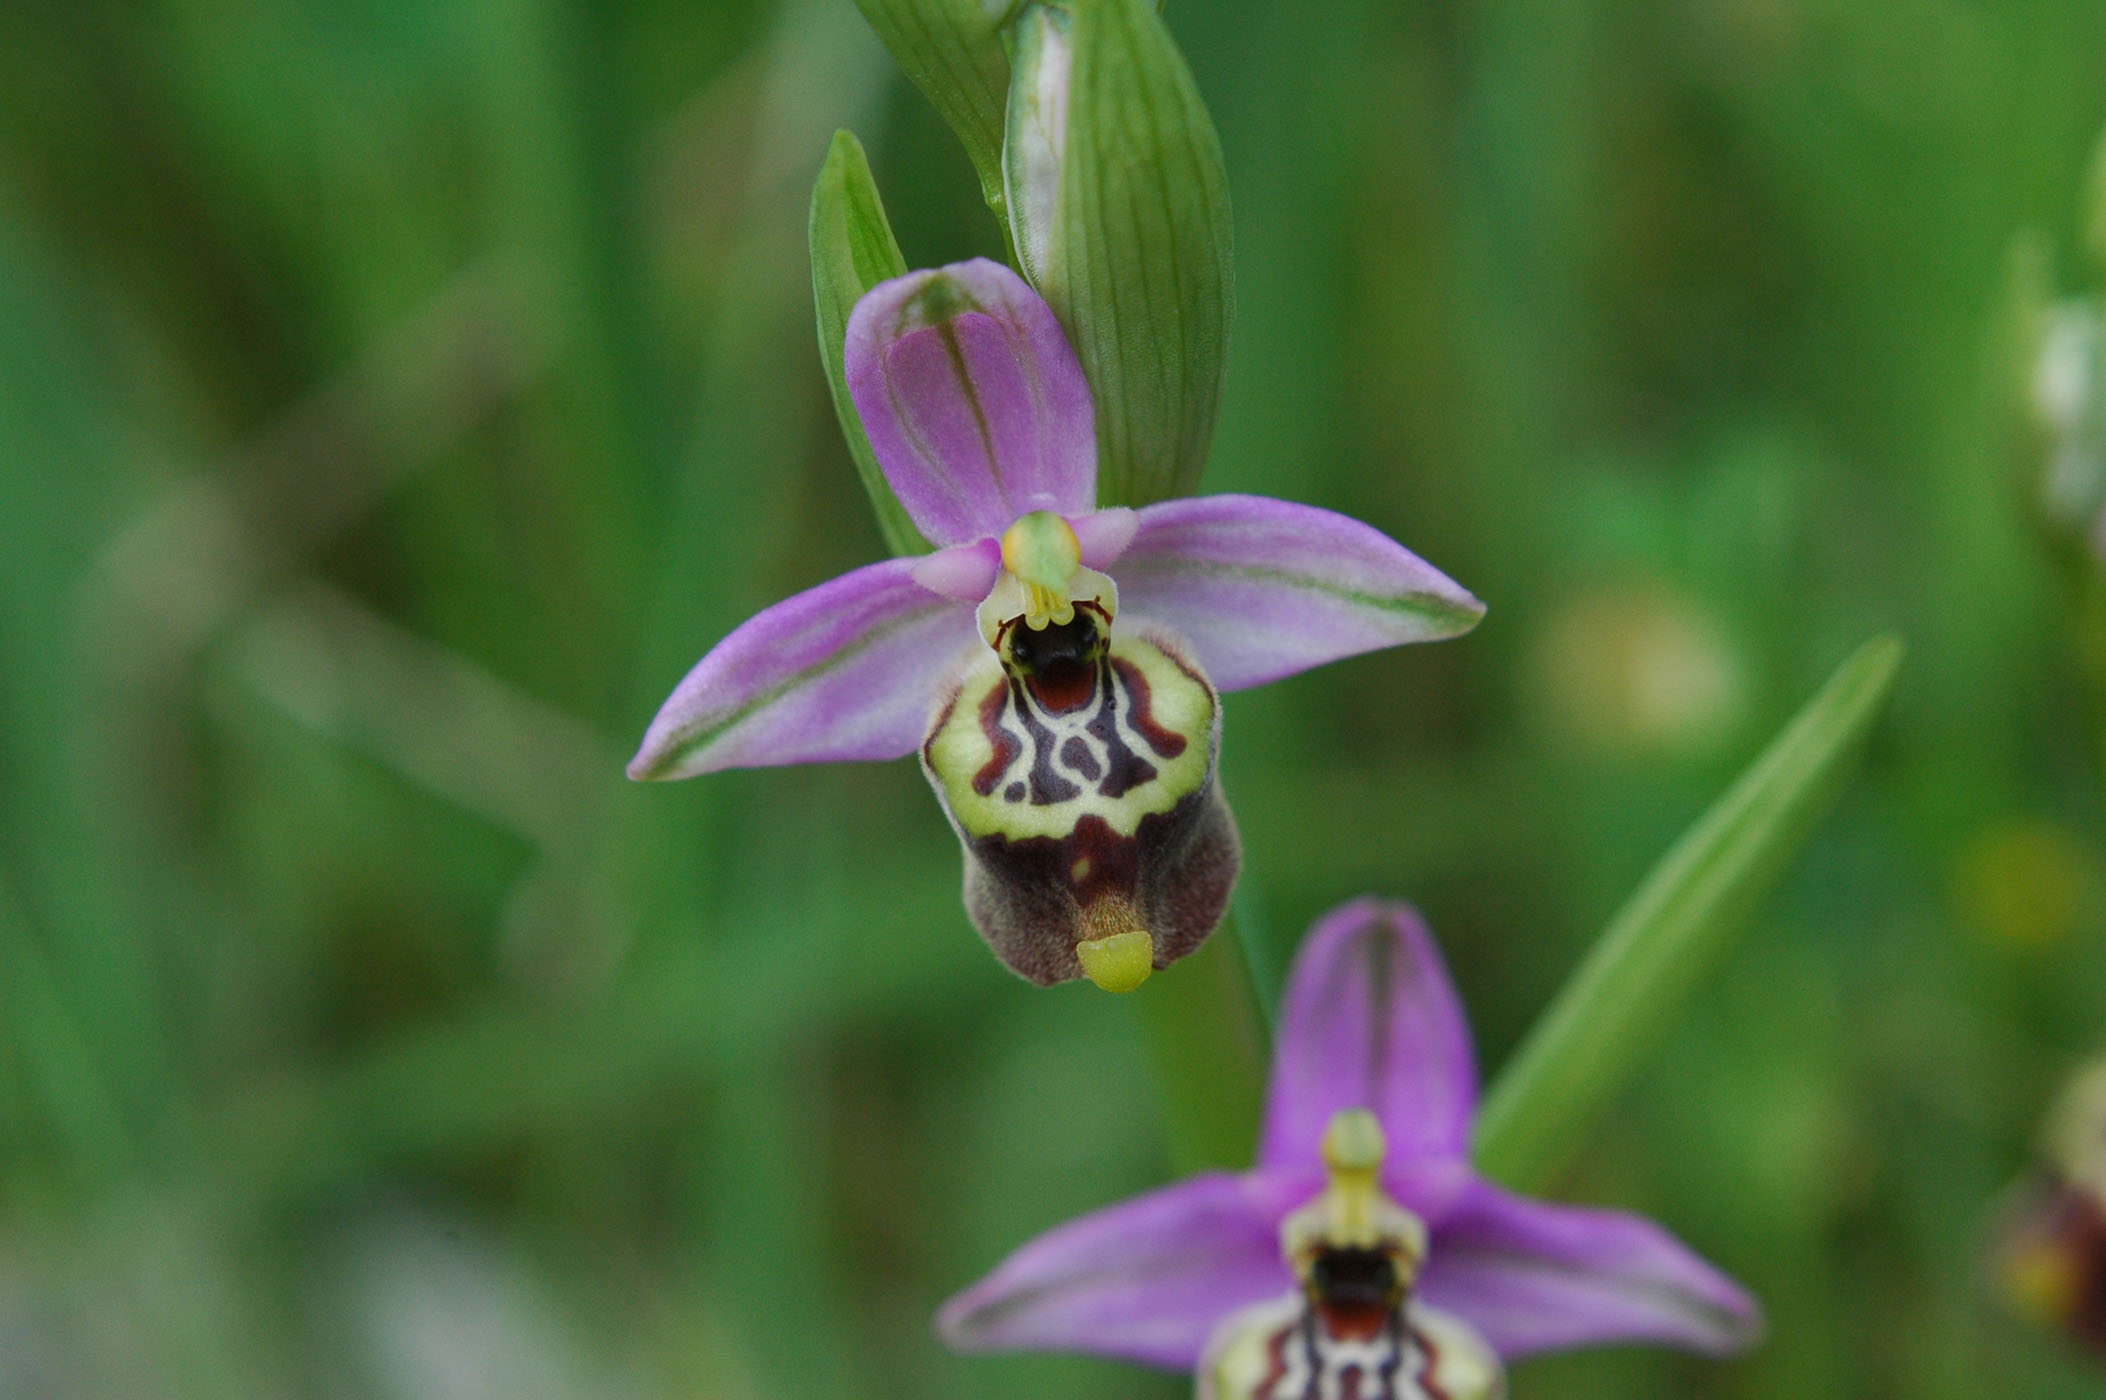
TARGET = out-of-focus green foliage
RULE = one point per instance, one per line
(395, 397)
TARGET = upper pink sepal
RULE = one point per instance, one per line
(974, 402)
(1371, 1021)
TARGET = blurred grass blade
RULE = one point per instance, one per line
(952, 49)
(1674, 929)
(56, 1061)
(423, 710)
(852, 251)
(1139, 262)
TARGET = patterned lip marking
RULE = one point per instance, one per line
(1128, 770)
(1076, 755)
(1297, 1360)
(1006, 768)
(1049, 786)
(1275, 1362)
(1006, 746)
(1166, 743)
(1429, 1355)
(1323, 1368)
(1145, 843)
(1067, 758)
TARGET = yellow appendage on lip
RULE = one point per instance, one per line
(1122, 955)
(1118, 962)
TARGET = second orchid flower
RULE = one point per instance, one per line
(1362, 1255)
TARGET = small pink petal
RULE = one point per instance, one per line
(964, 571)
(1105, 534)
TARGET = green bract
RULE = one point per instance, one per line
(1036, 141)
(852, 251)
(952, 49)
(1120, 211)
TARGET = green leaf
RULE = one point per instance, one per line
(1136, 259)
(852, 251)
(1675, 928)
(2095, 204)
(952, 49)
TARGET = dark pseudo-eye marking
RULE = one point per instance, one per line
(1059, 663)
(1056, 647)
(1356, 1290)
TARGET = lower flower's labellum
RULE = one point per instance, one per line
(2051, 1260)
(1078, 771)
(1354, 1330)
(2050, 1241)
(1287, 1350)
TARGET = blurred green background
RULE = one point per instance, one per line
(395, 398)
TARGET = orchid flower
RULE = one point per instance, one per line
(2048, 1244)
(1056, 666)
(1362, 1239)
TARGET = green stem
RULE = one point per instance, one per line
(1207, 1038)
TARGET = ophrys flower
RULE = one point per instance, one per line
(1057, 666)
(1363, 1235)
